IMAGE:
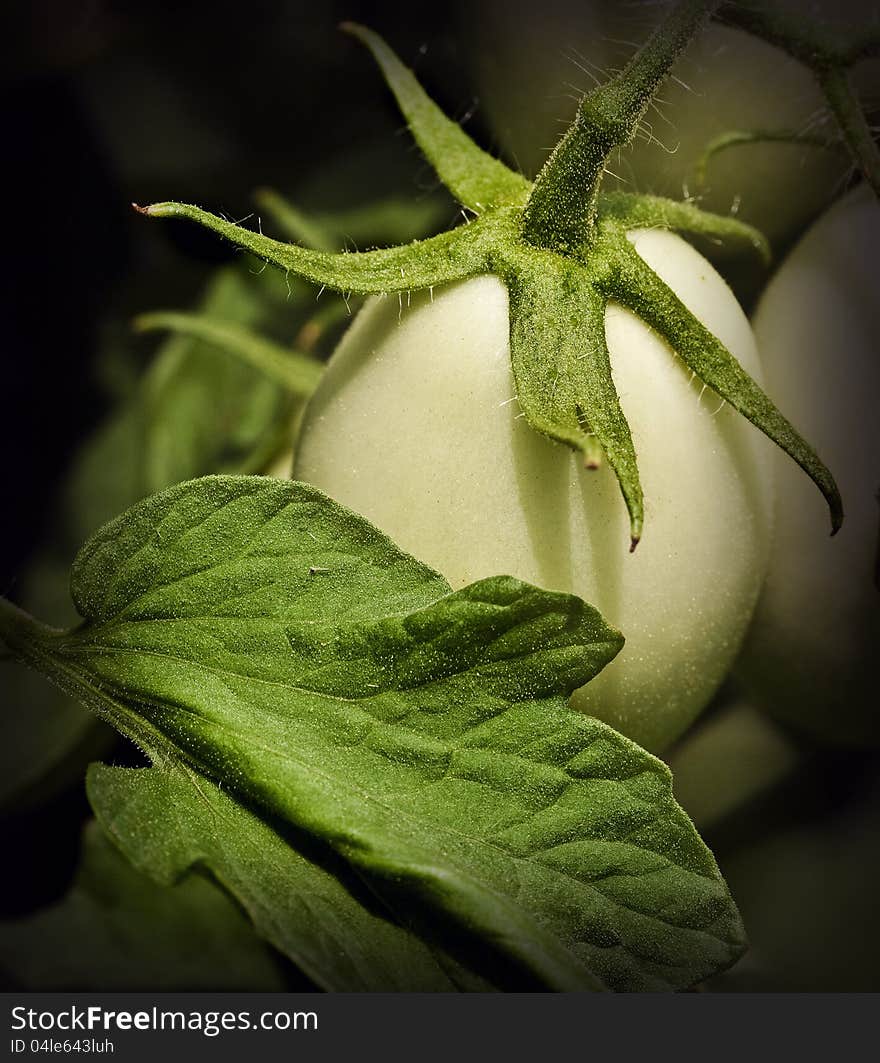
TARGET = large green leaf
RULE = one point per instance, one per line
(258, 635)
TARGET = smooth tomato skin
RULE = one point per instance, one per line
(811, 653)
(415, 425)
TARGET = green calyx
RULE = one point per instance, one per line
(564, 202)
(561, 248)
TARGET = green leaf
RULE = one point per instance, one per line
(195, 411)
(171, 821)
(476, 179)
(201, 409)
(296, 372)
(259, 635)
(115, 929)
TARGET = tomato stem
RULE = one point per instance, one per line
(18, 628)
(561, 209)
(843, 101)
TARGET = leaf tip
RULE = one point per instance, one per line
(762, 248)
(836, 515)
(591, 448)
(828, 486)
(148, 322)
(354, 29)
(636, 524)
(155, 210)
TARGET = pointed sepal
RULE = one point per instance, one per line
(563, 372)
(451, 256)
(476, 179)
(654, 212)
(635, 285)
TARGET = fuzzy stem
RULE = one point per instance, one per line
(736, 137)
(829, 53)
(16, 626)
(788, 31)
(561, 208)
(843, 102)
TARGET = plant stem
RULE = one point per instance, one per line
(21, 635)
(791, 33)
(561, 208)
(18, 630)
(736, 137)
(35, 644)
(843, 102)
(829, 53)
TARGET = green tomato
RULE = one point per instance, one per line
(811, 653)
(416, 426)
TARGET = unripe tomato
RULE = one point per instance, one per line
(812, 651)
(416, 426)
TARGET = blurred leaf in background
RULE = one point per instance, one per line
(116, 929)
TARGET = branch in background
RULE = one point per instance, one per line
(295, 371)
(736, 137)
(830, 53)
